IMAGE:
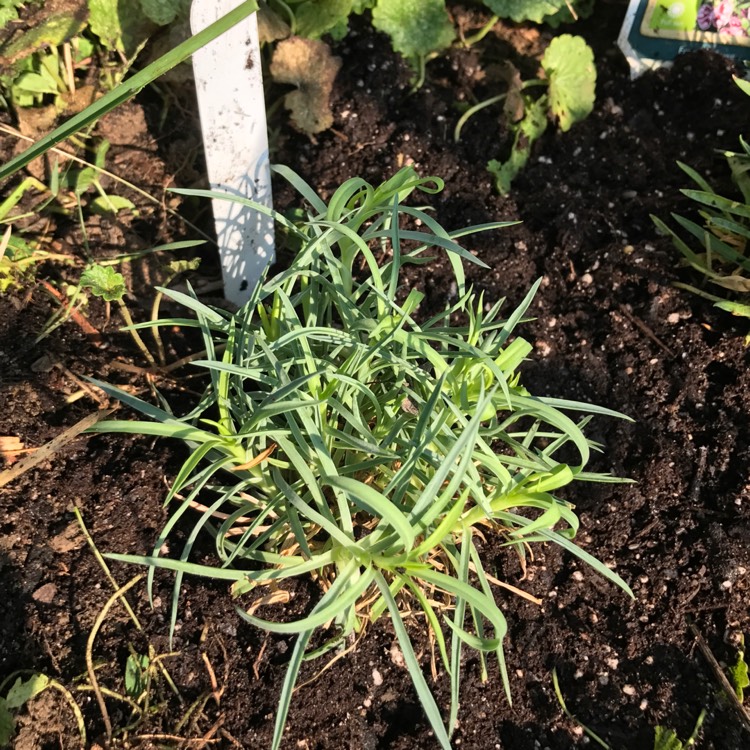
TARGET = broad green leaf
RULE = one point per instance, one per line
(738, 674)
(53, 31)
(7, 722)
(34, 83)
(743, 84)
(667, 739)
(416, 27)
(569, 65)
(314, 18)
(104, 282)
(8, 13)
(136, 668)
(24, 690)
(104, 22)
(525, 10)
(163, 12)
(111, 204)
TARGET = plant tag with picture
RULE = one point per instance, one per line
(654, 32)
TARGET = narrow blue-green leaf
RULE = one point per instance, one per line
(415, 670)
(374, 502)
(171, 429)
(458, 621)
(183, 475)
(300, 186)
(336, 534)
(432, 619)
(589, 559)
(133, 402)
(485, 604)
(347, 593)
(186, 300)
(292, 670)
(461, 447)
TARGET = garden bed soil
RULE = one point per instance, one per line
(609, 328)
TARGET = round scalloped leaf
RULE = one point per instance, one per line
(416, 27)
(569, 65)
(321, 17)
(525, 10)
(309, 65)
(163, 12)
(104, 282)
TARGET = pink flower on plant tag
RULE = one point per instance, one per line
(723, 15)
(706, 17)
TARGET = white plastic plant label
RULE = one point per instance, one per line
(231, 104)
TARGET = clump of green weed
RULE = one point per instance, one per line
(722, 235)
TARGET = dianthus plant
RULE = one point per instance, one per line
(344, 438)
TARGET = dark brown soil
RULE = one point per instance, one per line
(610, 328)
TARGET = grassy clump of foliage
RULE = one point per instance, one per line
(344, 439)
(723, 235)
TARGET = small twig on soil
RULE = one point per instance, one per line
(721, 677)
(216, 691)
(50, 449)
(231, 739)
(695, 487)
(93, 393)
(259, 657)
(157, 660)
(102, 563)
(184, 741)
(643, 328)
(207, 737)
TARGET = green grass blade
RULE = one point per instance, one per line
(374, 502)
(347, 591)
(415, 670)
(458, 621)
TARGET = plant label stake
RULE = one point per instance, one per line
(229, 85)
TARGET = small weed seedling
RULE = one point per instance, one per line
(738, 673)
(569, 96)
(340, 438)
(105, 282)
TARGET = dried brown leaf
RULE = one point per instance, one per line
(735, 282)
(11, 448)
(309, 65)
(271, 27)
(279, 596)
